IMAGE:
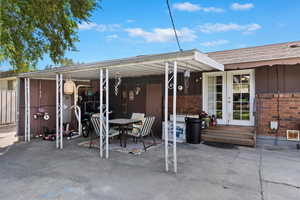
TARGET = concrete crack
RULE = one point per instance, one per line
(281, 183)
(228, 167)
(260, 176)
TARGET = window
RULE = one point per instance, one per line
(11, 84)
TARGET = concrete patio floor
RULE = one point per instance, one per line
(39, 171)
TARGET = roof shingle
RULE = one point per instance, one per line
(259, 53)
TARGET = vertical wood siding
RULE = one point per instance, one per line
(7, 107)
(288, 79)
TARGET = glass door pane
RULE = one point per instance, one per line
(215, 96)
(241, 97)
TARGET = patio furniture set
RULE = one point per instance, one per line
(138, 127)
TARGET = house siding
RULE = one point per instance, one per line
(42, 95)
(191, 102)
(277, 98)
(288, 80)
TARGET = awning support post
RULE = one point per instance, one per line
(166, 129)
(27, 109)
(166, 116)
(107, 114)
(101, 113)
(174, 115)
(59, 111)
(104, 125)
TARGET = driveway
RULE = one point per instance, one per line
(39, 171)
(7, 137)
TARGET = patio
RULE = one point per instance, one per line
(40, 171)
(168, 65)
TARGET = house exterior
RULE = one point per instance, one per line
(8, 80)
(258, 85)
(8, 99)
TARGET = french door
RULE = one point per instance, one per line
(229, 96)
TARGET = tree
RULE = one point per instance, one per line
(63, 63)
(29, 29)
(66, 62)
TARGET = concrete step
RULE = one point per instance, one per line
(227, 139)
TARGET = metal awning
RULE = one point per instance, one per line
(167, 64)
(144, 65)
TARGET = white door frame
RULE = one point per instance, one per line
(227, 103)
(205, 94)
(229, 97)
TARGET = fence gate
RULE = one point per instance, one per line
(7, 107)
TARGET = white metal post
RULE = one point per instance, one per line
(18, 106)
(107, 113)
(28, 111)
(61, 110)
(57, 111)
(174, 115)
(101, 114)
(166, 116)
(25, 109)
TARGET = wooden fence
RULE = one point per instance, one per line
(7, 107)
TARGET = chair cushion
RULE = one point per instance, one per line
(133, 133)
(113, 132)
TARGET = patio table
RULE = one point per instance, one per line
(122, 123)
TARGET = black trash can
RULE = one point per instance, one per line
(193, 130)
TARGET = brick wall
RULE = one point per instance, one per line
(267, 110)
(190, 104)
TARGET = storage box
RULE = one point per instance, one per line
(180, 131)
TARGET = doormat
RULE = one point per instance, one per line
(221, 145)
(131, 147)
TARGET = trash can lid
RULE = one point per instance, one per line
(192, 120)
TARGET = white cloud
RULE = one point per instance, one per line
(187, 6)
(212, 9)
(112, 37)
(99, 27)
(162, 35)
(218, 27)
(130, 20)
(214, 43)
(238, 6)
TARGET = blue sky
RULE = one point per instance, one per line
(136, 27)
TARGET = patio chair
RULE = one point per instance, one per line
(138, 116)
(96, 124)
(145, 130)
